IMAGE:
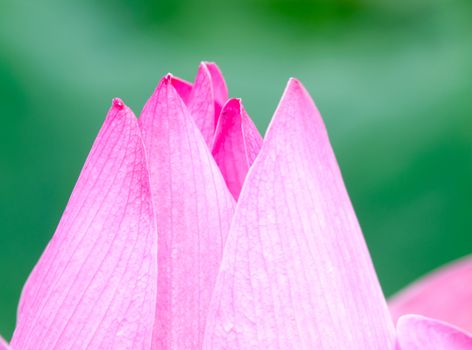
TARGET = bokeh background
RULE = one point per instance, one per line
(393, 80)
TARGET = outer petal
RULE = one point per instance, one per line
(237, 143)
(209, 93)
(193, 208)
(445, 295)
(421, 333)
(296, 273)
(95, 285)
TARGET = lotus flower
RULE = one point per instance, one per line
(186, 230)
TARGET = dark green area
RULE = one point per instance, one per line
(393, 80)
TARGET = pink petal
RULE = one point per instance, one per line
(422, 333)
(95, 285)
(183, 88)
(208, 95)
(445, 295)
(237, 143)
(4, 345)
(193, 208)
(220, 90)
(296, 273)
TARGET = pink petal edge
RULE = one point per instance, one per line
(296, 273)
(236, 144)
(445, 294)
(208, 95)
(220, 89)
(183, 88)
(94, 286)
(193, 209)
(422, 333)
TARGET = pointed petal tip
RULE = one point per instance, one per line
(232, 104)
(294, 84)
(236, 144)
(118, 103)
(233, 109)
(209, 64)
(204, 65)
(166, 82)
(167, 78)
(174, 145)
(119, 110)
(97, 267)
(214, 73)
(293, 80)
(310, 207)
(295, 97)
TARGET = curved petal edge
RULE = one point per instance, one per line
(206, 99)
(95, 284)
(193, 208)
(236, 144)
(296, 273)
(419, 333)
(445, 294)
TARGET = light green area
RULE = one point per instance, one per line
(393, 80)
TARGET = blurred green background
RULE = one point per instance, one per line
(393, 80)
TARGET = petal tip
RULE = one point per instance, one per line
(167, 78)
(204, 65)
(165, 84)
(118, 103)
(294, 84)
(232, 104)
(119, 110)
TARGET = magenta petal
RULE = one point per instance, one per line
(237, 143)
(220, 90)
(183, 88)
(445, 294)
(208, 95)
(422, 333)
(94, 286)
(193, 208)
(296, 273)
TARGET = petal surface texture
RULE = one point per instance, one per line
(296, 273)
(421, 333)
(445, 295)
(194, 209)
(208, 95)
(94, 287)
(237, 143)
